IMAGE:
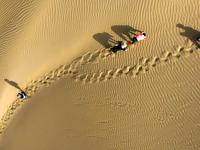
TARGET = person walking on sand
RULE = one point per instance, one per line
(138, 38)
(121, 46)
(22, 95)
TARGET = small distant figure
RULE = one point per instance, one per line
(121, 46)
(198, 39)
(22, 95)
(138, 38)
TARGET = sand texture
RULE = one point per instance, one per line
(83, 96)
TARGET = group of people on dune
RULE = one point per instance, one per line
(121, 46)
(139, 37)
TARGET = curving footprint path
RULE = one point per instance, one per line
(143, 66)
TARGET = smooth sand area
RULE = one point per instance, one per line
(82, 96)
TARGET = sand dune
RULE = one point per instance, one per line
(82, 96)
(72, 70)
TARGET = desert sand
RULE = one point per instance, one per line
(84, 97)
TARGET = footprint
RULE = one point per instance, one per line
(82, 76)
(59, 75)
(176, 55)
(102, 76)
(146, 60)
(86, 80)
(118, 72)
(75, 71)
(156, 59)
(111, 72)
(106, 53)
(108, 77)
(126, 69)
(141, 61)
(89, 77)
(94, 56)
(65, 72)
(180, 49)
(95, 77)
(66, 67)
(168, 54)
(189, 50)
(139, 68)
(55, 73)
(84, 59)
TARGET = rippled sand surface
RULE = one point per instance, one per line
(82, 96)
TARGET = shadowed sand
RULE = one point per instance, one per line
(82, 96)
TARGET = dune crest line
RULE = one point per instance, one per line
(71, 69)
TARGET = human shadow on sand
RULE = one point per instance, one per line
(122, 30)
(189, 33)
(13, 84)
(104, 39)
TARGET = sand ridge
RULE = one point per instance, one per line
(144, 65)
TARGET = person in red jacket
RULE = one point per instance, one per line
(139, 37)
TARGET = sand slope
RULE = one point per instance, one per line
(85, 97)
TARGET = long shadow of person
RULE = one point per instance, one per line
(124, 29)
(104, 39)
(13, 84)
(189, 33)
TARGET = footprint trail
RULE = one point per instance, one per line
(143, 66)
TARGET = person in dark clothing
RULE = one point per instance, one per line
(22, 95)
(121, 46)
